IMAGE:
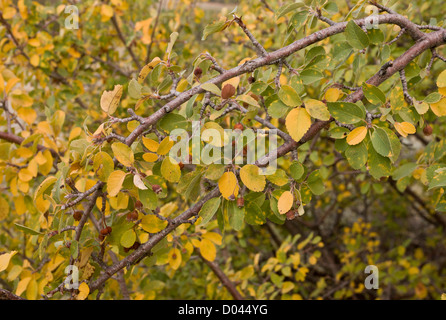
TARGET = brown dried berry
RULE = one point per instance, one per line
(109, 229)
(238, 126)
(126, 249)
(198, 72)
(101, 238)
(132, 216)
(181, 165)
(138, 204)
(251, 79)
(240, 202)
(77, 215)
(104, 231)
(156, 188)
(227, 91)
(290, 215)
(427, 130)
(231, 197)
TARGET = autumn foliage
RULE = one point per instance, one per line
(93, 95)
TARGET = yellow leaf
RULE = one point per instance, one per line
(150, 144)
(170, 170)
(150, 157)
(152, 224)
(317, 109)
(123, 153)
(10, 84)
(34, 60)
(106, 12)
(22, 285)
(110, 99)
(404, 128)
(441, 80)
(285, 202)
(297, 122)
(84, 291)
(31, 290)
(175, 258)
(251, 178)
(356, 135)
(9, 12)
(29, 115)
(332, 94)
(213, 236)
(5, 258)
(165, 146)
(147, 69)
(4, 209)
(114, 182)
(228, 185)
(439, 108)
(208, 250)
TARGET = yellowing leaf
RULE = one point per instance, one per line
(4, 208)
(22, 285)
(317, 109)
(439, 108)
(150, 157)
(4, 260)
(175, 258)
(297, 122)
(10, 84)
(251, 178)
(165, 146)
(228, 185)
(84, 291)
(170, 170)
(114, 182)
(152, 224)
(150, 144)
(213, 236)
(404, 128)
(34, 60)
(123, 153)
(9, 12)
(356, 135)
(441, 80)
(332, 94)
(285, 202)
(110, 99)
(208, 250)
(128, 238)
(147, 69)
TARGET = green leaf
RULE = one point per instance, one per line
(211, 88)
(170, 170)
(315, 183)
(373, 94)
(355, 36)
(209, 209)
(357, 155)
(439, 179)
(346, 112)
(288, 8)
(148, 198)
(386, 143)
(236, 215)
(27, 230)
(404, 170)
(378, 165)
(214, 27)
(172, 121)
(297, 170)
(135, 89)
(254, 214)
(309, 76)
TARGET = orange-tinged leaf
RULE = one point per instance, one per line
(4, 260)
(114, 182)
(285, 202)
(84, 291)
(208, 250)
(297, 122)
(404, 128)
(228, 185)
(150, 144)
(356, 135)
